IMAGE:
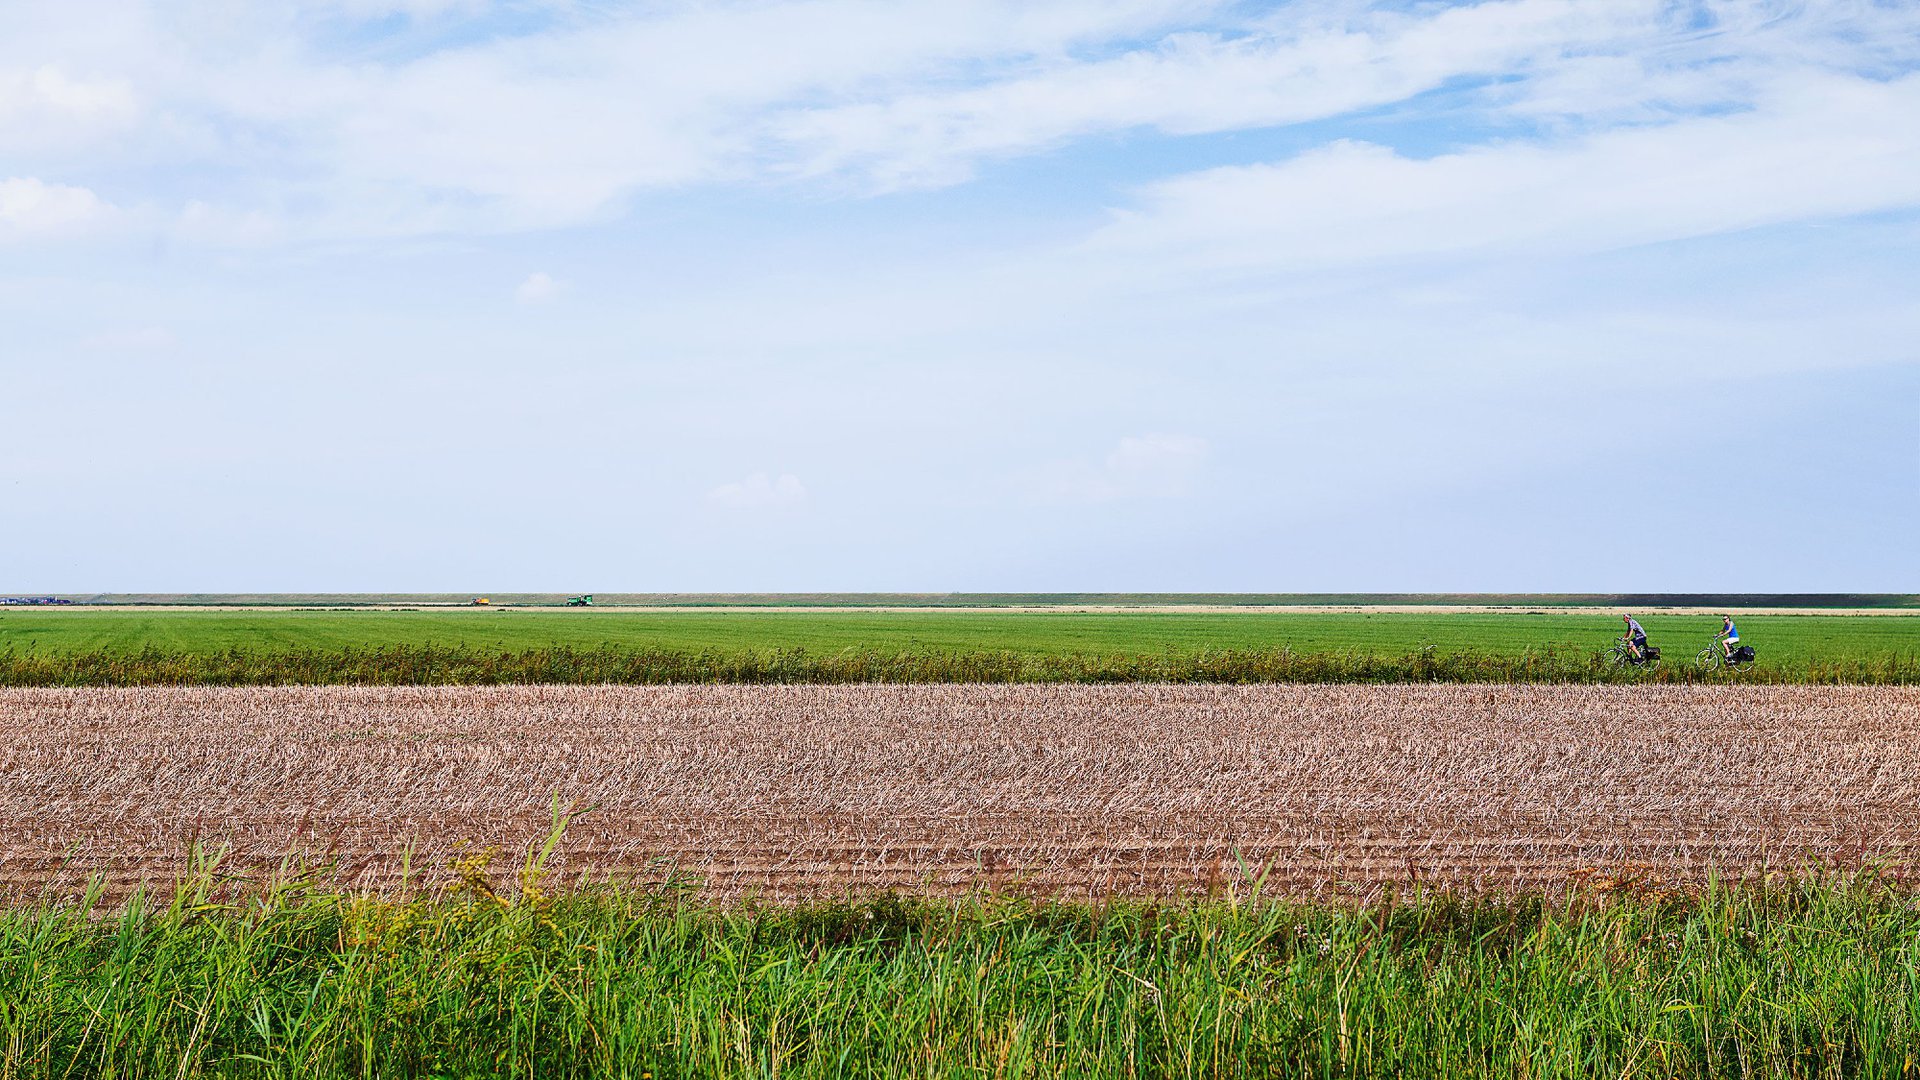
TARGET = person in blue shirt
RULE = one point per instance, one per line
(1729, 636)
(1636, 636)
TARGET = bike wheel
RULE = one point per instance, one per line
(1709, 659)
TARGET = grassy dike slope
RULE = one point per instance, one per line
(1805, 980)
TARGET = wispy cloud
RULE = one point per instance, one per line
(45, 110)
(760, 491)
(32, 207)
(1157, 465)
(1294, 65)
(142, 339)
(1819, 147)
(563, 115)
(538, 288)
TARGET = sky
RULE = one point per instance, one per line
(969, 295)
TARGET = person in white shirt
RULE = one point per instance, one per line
(1637, 637)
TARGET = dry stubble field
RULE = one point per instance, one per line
(1071, 790)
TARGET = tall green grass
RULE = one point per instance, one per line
(466, 665)
(1809, 979)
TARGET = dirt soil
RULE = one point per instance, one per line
(1070, 790)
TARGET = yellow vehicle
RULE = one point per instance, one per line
(480, 600)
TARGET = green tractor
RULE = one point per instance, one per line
(580, 601)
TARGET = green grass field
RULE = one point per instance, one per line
(1788, 640)
(1798, 980)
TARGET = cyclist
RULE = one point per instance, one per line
(1637, 637)
(1729, 637)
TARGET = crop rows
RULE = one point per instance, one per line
(1073, 790)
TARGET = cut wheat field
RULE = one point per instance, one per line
(1073, 791)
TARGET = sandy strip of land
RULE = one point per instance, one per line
(1138, 789)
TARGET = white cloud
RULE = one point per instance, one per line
(412, 9)
(44, 109)
(1319, 63)
(1820, 147)
(558, 113)
(1139, 466)
(538, 288)
(559, 126)
(33, 207)
(205, 223)
(49, 89)
(760, 492)
(136, 340)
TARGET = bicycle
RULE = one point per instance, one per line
(1714, 658)
(1622, 655)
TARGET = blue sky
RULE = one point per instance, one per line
(363, 295)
